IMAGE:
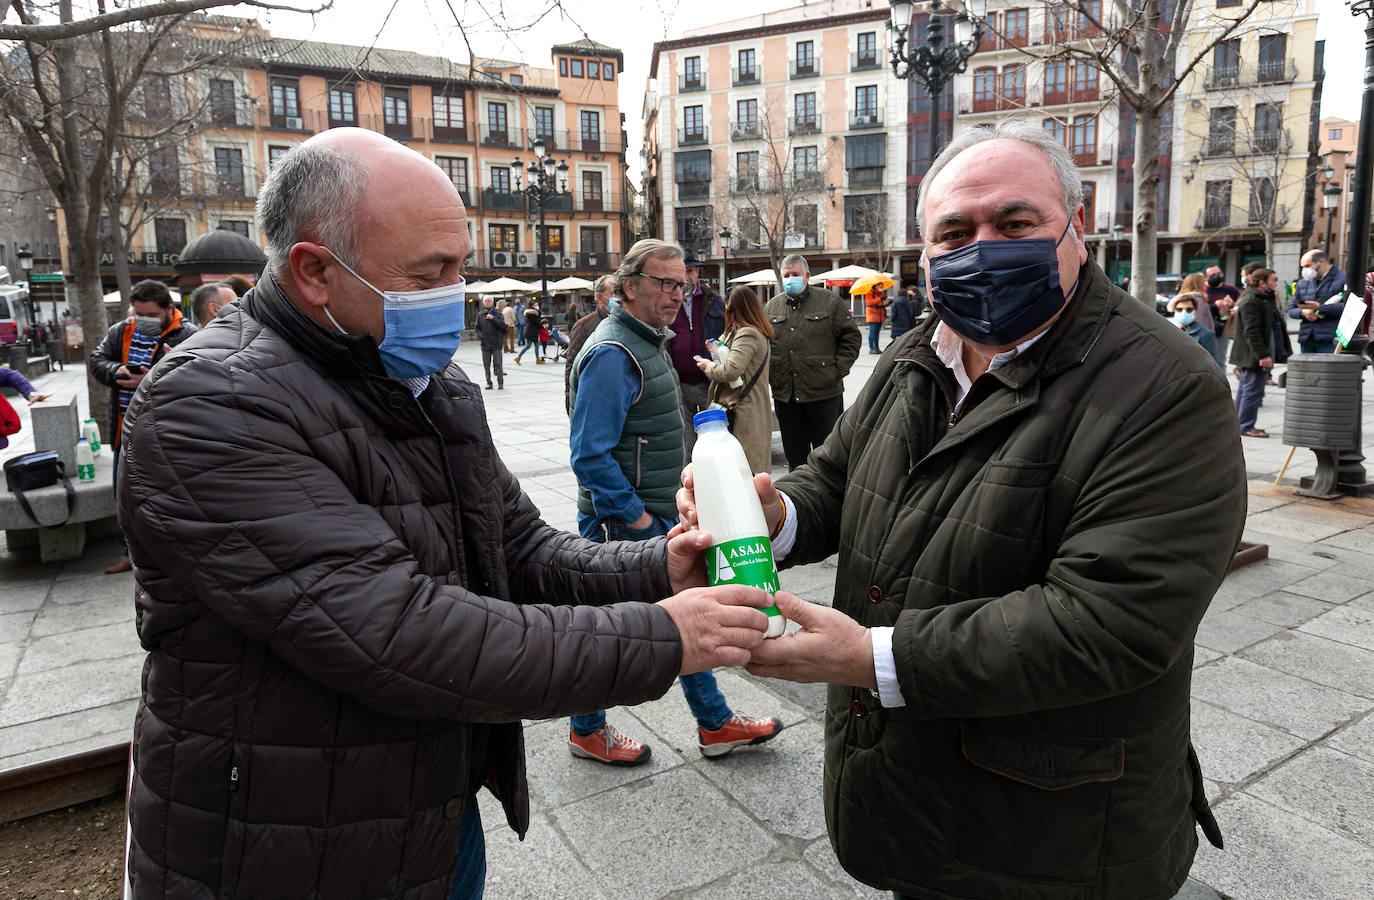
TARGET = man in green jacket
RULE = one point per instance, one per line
(815, 343)
(1021, 571)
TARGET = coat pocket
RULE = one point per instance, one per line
(1034, 805)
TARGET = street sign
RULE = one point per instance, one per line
(45, 277)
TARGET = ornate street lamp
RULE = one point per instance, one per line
(1117, 231)
(25, 257)
(1331, 200)
(547, 181)
(1358, 251)
(936, 61)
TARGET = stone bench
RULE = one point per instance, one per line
(54, 424)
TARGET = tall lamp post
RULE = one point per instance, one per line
(1358, 251)
(1117, 231)
(547, 180)
(935, 62)
(1331, 201)
(25, 257)
(724, 236)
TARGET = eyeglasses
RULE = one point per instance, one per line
(667, 285)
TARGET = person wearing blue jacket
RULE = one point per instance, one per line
(1320, 282)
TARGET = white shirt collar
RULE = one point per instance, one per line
(949, 347)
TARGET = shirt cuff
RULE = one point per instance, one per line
(787, 537)
(885, 668)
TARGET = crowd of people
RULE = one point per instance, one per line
(374, 604)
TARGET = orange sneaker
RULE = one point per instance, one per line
(736, 733)
(609, 746)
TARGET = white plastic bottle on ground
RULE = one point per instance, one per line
(85, 460)
(91, 432)
(728, 508)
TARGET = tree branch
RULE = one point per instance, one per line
(67, 30)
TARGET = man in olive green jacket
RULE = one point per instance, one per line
(1021, 570)
(815, 343)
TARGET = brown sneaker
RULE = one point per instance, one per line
(609, 746)
(737, 732)
(124, 565)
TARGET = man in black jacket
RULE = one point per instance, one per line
(122, 360)
(491, 332)
(341, 588)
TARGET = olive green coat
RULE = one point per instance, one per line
(815, 343)
(753, 426)
(1045, 569)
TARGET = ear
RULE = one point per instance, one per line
(1079, 231)
(310, 271)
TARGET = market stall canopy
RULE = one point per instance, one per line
(863, 285)
(843, 273)
(762, 276)
(219, 253)
(571, 283)
(476, 287)
(506, 285)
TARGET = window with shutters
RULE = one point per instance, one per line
(450, 117)
(692, 174)
(865, 158)
(223, 107)
(343, 107)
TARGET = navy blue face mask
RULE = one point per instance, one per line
(998, 292)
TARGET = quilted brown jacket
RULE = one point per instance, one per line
(1045, 569)
(345, 598)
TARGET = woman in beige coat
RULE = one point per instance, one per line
(744, 371)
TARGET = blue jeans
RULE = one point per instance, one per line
(704, 698)
(874, 330)
(1249, 393)
(538, 353)
(470, 878)
(1317, 346)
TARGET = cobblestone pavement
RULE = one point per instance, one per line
(1282, 695)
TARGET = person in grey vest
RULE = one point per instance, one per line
(628, 440)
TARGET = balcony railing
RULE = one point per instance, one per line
(866, 176)
(687, 84)
(746, 184)
(493, 198)
(979, 103)
(806, 125)
(808, 181)
(308, 120)
(1071, 94)
(453, 134)
(859, 62)
(744, 76)
(510, 137)
(693, 135)
(1215, 217)
(865, 118)
(806, 69)
(747, 130)
(1281, 71)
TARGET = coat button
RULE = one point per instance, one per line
(396, 401)
(858, 709)
(875, 593)
(453, 809)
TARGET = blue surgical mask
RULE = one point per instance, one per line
(1184, 317)
(997, 292)
(423, 328)
(794, 285)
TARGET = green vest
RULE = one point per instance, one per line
(652, 448)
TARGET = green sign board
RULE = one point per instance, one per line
(45, 278)
(1199, 263)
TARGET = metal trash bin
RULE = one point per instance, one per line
(1321, 411)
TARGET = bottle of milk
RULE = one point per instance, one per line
(720, 352)
(85, 460)
(91, 432)
(728, 508)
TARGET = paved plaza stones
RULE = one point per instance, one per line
(1282, 699)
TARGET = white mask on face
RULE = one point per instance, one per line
(1309, 273)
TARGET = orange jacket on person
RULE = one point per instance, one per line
(875, 307)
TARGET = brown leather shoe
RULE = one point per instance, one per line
(124, 565)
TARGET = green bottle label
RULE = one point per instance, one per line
(744, 561)
(85, 473)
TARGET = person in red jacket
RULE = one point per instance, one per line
(875, 314)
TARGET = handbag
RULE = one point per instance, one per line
(31, 471)
(730, 407)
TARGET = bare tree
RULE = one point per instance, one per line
(777, 186)
(66, 88)
(1139, 46)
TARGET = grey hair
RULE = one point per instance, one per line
(604, 284)
(1316, 256)
(1070, 183)
(632, 263)
(202, 297)
(312, 193)
(794, 259)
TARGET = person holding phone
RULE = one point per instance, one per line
(1320, 282)
(129, 350)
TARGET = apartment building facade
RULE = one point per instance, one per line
(474, 122)
(1247, 140)
(788, 131)
(1331, 225)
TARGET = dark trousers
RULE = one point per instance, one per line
(119, 530)
(1249, 393)
(805, 426)
(491, 358)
